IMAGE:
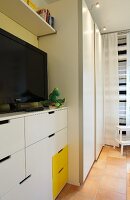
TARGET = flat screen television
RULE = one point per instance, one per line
(23, 71)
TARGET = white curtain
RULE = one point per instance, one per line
(128, 81)
(111, 87)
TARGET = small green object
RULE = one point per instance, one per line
(57, 105)
(53, 99)
(54, 94)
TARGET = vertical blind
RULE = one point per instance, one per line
(122, 71)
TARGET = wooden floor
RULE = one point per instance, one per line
(109, 179)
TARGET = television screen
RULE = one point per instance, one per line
(23, 71)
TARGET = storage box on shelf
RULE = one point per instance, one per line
(45, 14)
(40, 142)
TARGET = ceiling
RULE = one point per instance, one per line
(113, 14)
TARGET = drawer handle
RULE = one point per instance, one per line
(4, 122)
(60, 150)
(25, 179)
(51, 135)
(4, 159)
(51, 112)
(60, 170)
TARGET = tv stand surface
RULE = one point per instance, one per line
(23, 113)
(21, 107)
(33, 109)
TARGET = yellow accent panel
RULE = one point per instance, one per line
(17, 30)
(60, 170)
(59, 181)
(60, 160)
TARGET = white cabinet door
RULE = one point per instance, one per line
(38, 185)
(99, 92)
(39, 165)
(21, 192)
(11, 136)
(88, 92)
(12, 171)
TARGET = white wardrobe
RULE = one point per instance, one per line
(74, 65)
(92, 91)
(88, 92)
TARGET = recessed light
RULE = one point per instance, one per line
(97, 5)
(104, 28)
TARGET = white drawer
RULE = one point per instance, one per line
(11, 136)
(42, 125)
(12, 171)
(38, 127)
(59, 141)
(61, 119)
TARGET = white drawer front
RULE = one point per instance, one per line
(61, 119)
(28, 190)
(12, 171)
(38, 127)
(11, 136)
(59, 141)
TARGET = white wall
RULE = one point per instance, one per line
(62, 49)
(99, 92)
(88, 92)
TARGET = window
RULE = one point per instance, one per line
(122, 70)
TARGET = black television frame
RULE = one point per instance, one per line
(26, 44)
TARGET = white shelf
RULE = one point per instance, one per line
(24, 15)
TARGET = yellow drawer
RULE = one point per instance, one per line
(59, 181)
(60, 160)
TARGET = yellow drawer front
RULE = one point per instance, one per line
(59, 181)
(60, 160)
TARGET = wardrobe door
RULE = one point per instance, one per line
(98, 91)
(88, 92)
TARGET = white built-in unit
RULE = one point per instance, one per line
(23, 14)
(99, 90)
(88, 93)
(75, 67)
(28, 143)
